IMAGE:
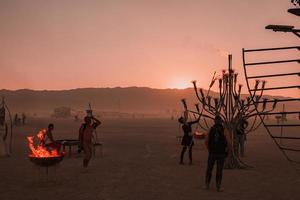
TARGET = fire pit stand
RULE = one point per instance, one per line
(46, 162)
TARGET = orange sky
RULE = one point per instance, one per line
(63, 44)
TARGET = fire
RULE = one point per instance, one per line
(40, 150)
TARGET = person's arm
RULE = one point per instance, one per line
(194, 122)
(96, 122)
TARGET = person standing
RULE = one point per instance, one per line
(218, 144)
(241, 136)
(3, 135)
(16, 119)
(187, 139)
(86, 137)
(23, 118)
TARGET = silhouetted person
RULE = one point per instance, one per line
(217, 143)
(3, 134)
(241, 136)
(86, 136)
(23, 118)
(16, 119)
(49, 142)
(187, 139)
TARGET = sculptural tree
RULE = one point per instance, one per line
(230, 105)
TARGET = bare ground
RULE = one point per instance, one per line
(141, 162)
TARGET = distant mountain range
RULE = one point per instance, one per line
(130, 99)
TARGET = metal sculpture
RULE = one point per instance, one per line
(232, 107)
(288, 144)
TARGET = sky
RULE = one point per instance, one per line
(65, 44)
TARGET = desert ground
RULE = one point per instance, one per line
(140, 161)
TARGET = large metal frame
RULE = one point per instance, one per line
(285, 149)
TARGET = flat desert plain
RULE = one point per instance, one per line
(140, 162)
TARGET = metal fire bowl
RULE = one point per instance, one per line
(46, 161)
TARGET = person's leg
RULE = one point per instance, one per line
(242, 145)
(182, 154)
(191, 154)
(87, 154)
(210, 166)
(219, 174)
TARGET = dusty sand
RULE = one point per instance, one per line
(141, 162)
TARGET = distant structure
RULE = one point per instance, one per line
(62, 112)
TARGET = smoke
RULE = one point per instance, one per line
(223, 53)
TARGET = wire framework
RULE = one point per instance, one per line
(287, 146)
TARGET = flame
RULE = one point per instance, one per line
(40, 150)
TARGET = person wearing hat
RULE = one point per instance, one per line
(187, 139)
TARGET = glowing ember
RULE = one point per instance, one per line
(199, 135)
(41, 150)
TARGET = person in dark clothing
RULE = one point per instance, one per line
(187, 139)
(23, 118)
(241, 135)
(217, 143)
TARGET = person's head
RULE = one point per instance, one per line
(218, 120)
(51, 126)
(181, 120)
(88, 120)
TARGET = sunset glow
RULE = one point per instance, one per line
(181, 84)
(56, 45)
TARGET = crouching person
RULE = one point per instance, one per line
(86, 137)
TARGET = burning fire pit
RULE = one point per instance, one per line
(46, 161)
(41, 155)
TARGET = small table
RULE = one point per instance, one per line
(69, 143)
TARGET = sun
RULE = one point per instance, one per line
(181, 84)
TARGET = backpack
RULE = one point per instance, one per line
(217, 142)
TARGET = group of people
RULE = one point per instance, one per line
(217, 142)
(85, 137)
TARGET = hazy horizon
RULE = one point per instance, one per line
(61, 45)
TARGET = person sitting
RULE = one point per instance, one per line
(49, 141)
